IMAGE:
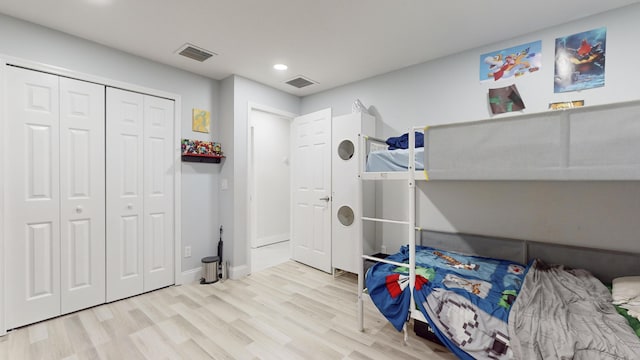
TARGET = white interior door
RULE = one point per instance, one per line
(33, 197)
(158, 193)
(311, 187)
(124, 186)
(82, 205)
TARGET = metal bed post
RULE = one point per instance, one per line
(361, 154)
(412, 216)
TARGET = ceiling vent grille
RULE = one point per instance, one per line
(195, 53)
(300, 82)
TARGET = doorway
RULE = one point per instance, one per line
(269, 187)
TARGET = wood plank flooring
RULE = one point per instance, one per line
(289, 311)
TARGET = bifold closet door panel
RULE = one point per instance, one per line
(125, 198)
(158, 193)
(82, 194)
(32, 195)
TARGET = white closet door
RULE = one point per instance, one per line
(33, 199)
(158, 193)
(82, 206)
(125, 128)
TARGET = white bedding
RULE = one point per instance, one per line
(393, 160)
(626, 290)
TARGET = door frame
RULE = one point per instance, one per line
(3, 124)
(251, 210)
(6, 60)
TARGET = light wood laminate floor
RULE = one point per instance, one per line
(289, 311)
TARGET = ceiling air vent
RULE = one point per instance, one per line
(195, 53)
(300, 82)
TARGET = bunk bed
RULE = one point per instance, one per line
(591, 143)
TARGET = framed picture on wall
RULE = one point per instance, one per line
(201, 120)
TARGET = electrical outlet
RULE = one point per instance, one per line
(187, 251)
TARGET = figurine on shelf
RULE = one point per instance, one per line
(198, 147)
(217, 149)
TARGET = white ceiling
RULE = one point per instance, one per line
(332, 42)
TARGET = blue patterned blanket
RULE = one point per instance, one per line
(465, 299)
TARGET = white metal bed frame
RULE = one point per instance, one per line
(591, 143)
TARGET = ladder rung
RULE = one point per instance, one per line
(385, 220)
(372, 258)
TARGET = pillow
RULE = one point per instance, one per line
(626, 290)
(632, 310)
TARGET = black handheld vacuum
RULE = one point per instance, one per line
(212, 266)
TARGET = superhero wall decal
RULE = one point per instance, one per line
(580, 61)
(511, 63)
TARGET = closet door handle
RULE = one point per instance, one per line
(78, 209)
(130, 206)
(325, 198)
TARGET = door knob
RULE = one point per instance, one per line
(78, 209)
(325, 198)
(129, 206)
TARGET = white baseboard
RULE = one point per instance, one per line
(272, 239)
(237, 272)
(190, 276)
(193, 275)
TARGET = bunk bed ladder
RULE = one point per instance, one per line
(411, 223)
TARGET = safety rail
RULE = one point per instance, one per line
(366, 142)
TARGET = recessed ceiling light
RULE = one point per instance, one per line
(280, 67)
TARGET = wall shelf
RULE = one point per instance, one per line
(213, 159)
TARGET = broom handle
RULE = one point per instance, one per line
(220, 245)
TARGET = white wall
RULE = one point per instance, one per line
(200, 182)
(226, 204)
(598, 214)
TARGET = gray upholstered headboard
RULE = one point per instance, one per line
(603, 264)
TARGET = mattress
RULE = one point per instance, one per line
(393, 160)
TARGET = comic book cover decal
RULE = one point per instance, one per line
(505, 99)
(511, 63)
(580, 61)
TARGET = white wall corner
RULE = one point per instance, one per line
(238, 272)
(190, 276)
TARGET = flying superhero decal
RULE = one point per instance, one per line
(511, 63)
